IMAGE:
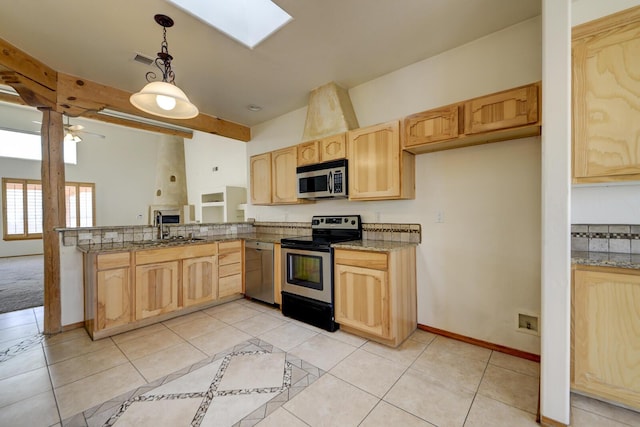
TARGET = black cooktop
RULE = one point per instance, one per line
(326, 230)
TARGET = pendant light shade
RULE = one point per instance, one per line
(164, 98)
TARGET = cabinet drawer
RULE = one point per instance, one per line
(229, 269)
(229, 246)
(108, 261)
(373, 260)
(232, 258)
(230, 285)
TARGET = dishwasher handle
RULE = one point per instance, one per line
(260, 246)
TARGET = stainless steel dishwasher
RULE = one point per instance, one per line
(258, 269)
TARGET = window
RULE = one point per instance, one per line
(22, 145)
(22, 207)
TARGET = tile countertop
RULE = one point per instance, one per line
(170, 243)
(606, 259)
(363, 245)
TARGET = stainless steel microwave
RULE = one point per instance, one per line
(323, 180)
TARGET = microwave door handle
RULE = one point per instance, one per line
(330, 182)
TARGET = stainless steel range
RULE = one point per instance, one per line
(307, 265)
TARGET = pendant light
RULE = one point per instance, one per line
(164, 98)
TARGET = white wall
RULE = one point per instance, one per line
(202, 154)
(482, 265)
(603, 203)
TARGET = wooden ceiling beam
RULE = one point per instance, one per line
(137, 125)
(42, 87)
(76, 94)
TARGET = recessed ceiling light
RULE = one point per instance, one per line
(247, 21)
(254, 107)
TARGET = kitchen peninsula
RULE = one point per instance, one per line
(131, 280)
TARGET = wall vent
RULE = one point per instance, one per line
(142, 59)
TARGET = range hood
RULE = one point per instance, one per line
(330, 112)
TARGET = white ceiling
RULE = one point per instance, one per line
(346, 41)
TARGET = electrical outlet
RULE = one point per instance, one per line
(111, 235)
(440, 217)
(528, 323)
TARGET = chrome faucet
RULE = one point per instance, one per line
(162, 234)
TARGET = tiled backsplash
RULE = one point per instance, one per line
(138, 233)
(374, 231)
(623, 239)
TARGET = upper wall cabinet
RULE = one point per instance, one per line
(510, 114)
(606, 95)
(378, 168)
(273, 177)
(322, 150)
(260, 172)
(283, 176)
(503, 110)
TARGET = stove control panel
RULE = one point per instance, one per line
(349, 222)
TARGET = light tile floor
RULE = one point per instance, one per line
(244, 364)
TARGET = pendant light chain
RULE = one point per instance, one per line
(163, 62)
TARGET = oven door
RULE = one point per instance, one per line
(308, 273)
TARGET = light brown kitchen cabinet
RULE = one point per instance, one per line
(502, 110)
(431, 126)
(606, 89)
(108, 301)
(230, 268)
(283, 176)
(378, 168)
(333, 147)
(375, 293)
(260, 177)
(199, 280)
(156, 289)
(605, 339)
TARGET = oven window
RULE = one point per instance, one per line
(305, 270)
(313, 184)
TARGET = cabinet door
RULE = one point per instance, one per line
(308, 153)
(113, 298)
(260, 176)
(283, 175)
(606, 335)
(199, 280)
(431, 126)
(156, 289)
(333, 147)
(374, 167)
(606, 112)
(502, 110)
(362, 299)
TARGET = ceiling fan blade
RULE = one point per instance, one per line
(74, 128)
(90, 133)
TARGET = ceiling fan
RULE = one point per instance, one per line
(72, 132)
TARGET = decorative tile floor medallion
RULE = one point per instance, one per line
(237, 387)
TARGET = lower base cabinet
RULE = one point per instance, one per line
(375, 293)
(199, 284)
(111, 305)
(605, 339)
(156, 289)
(130, 289)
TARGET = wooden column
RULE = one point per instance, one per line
(53, 212)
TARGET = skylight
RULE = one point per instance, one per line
(247, 21)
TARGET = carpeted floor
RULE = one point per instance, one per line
(21, 282)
